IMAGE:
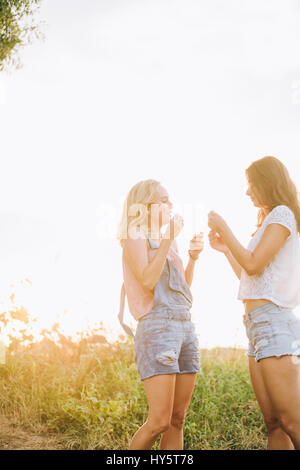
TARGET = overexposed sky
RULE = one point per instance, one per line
(187, 92)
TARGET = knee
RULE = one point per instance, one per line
(159, 426)
(177, 419)
(289, 424)
(272, 423)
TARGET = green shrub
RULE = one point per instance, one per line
(91, 396)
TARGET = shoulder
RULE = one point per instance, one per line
(281, 212)
(282, 215)
(134, 245)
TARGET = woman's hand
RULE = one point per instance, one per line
(217, 243)
(174, 228)
(196, 245)
(216, 222)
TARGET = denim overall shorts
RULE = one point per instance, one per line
(165, 341)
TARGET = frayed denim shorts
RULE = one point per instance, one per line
(272, 331)
(166, 343)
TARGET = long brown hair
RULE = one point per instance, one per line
(274, 187)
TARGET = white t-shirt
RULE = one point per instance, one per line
(280, 281)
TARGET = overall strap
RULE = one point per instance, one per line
(151, 242)
(125, 327)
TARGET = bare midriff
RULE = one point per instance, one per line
(252, 304)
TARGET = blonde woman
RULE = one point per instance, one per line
(159, 298)
(269, 273)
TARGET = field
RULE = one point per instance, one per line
(88, 396)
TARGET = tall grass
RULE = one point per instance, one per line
(90, 397)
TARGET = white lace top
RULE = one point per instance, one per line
(280, 281)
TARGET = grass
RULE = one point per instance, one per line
(90, 397)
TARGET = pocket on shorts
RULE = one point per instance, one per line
(153, 327)
(262, 325)
(261, 333)
(262, 318)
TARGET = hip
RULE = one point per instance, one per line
(165, 323)
(271, 316)
(252, 304)
(272, 331)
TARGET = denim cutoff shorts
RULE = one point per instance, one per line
(272, 331)
(166, 343)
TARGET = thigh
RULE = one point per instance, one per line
(281, 376)
(260, 390)
(160, 391)
(184, 387)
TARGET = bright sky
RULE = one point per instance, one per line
(186, 92)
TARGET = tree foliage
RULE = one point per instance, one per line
(17, 28)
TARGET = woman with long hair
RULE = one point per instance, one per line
(269, 273)
(159, 298)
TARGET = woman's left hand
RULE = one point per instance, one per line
(216, 222)
(197, 244)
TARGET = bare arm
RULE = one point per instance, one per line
(255, 262)
(189, 271)
(195, 248)
(273, 239)
(136, 253)
(234, 264)
(147, 273)
(190, 267)
(217, 243)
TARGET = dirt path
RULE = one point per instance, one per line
(12, 437)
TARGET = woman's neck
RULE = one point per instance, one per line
(155, 235)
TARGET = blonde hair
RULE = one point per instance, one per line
(274, 187)
(135, 208)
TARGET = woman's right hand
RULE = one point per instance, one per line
(217, 243)
(174, 228)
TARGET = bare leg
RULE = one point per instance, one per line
(277, 437)
(173, 438)
(160, 391)
(281, 377)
